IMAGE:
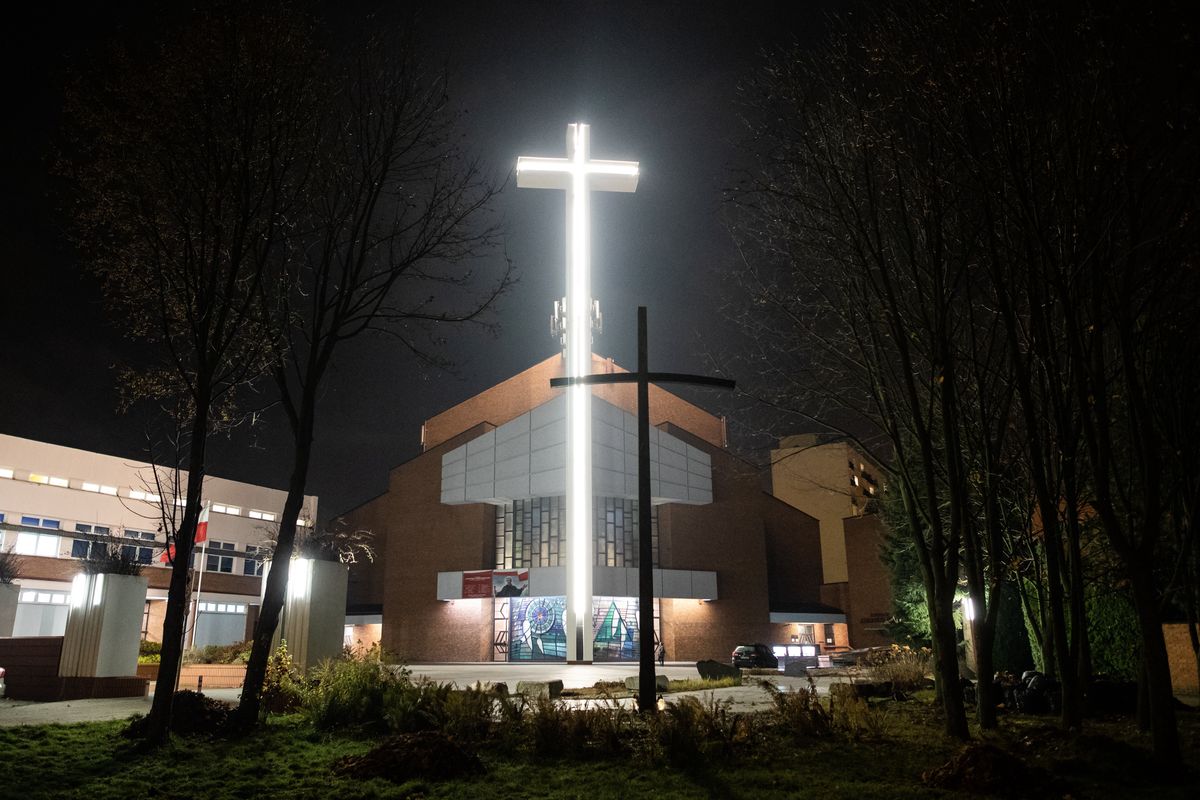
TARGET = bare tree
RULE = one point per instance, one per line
(987, 225)
(397, 215)
(189, 157)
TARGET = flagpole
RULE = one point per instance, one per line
(199, 584)
(202, 537)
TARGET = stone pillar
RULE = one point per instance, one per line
(104, 626)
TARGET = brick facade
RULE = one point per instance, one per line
(1184, 677)
(868, 604)
(759, 547)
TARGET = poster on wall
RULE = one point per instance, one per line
(477, 583)
(511, 583)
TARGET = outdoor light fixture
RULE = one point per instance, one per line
(578, 175)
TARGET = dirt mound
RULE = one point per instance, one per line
(985, 768)
(426, 754)
(192, 714)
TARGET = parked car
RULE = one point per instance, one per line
(754, 655)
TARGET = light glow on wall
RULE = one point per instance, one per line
(578, 175)
(78, 590)
(300, 578)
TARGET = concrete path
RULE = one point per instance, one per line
(749, 697)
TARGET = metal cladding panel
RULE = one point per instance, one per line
(516, 446)
(607, 583)
(482, 443)
(677, 583)
(547, 581)
(481, 484)
(608, 483)
(547, 458)
(514, 488)
(704, 585)
(606, 457)
(526, 457)
(449, 460)
(513, 428)
(512, 468)
(672, 474)
(550, 483)
(547, 413)
(449, 585)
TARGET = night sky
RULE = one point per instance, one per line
(657, 82)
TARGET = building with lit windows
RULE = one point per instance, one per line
(471, 538)
(57, 504)
(833, 481)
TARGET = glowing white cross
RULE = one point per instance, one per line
(578, 175)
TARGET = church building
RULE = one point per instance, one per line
(472, 545)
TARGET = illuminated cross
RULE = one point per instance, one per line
(578, 175)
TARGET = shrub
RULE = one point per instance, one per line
(853, 715)
(149, 652)
(902, 668)
(689, 731)
(348, 692)
(799, 713)
(11, 565)
(421, 706)
(610, 726)
(236, 653)
(508, 734)
(555, 729)
(283, 685)
(469, 715)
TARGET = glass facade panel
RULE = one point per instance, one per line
(530, 533)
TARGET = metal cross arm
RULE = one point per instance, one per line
(643, 378)
(651, 377)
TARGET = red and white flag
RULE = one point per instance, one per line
(201, 535)
(202, 524)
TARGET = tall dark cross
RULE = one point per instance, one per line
(643, 378)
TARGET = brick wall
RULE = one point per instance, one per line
(869, 590)
(510, 399)
(1184, 679)
(31, 673)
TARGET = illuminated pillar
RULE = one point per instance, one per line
(578, 175)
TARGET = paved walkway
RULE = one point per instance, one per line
(748, 697)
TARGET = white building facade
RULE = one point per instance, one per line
(58, 503)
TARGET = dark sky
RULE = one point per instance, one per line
(657, 82)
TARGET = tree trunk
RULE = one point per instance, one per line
(946, 670)
(985, 694)
(249, 706)
(175, 617)
(1157, 669)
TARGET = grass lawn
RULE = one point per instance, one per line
(288, 759)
